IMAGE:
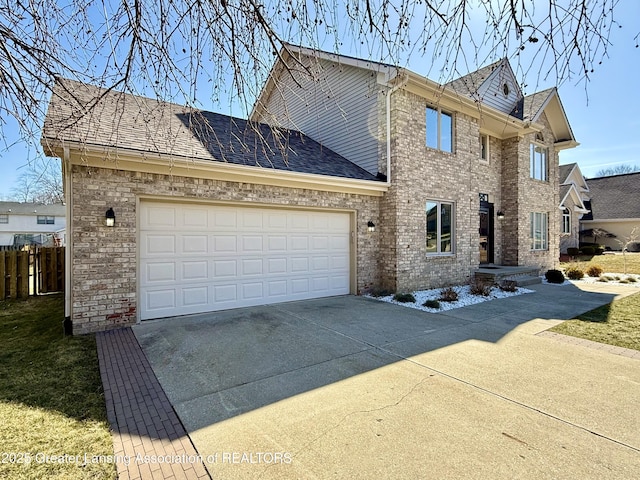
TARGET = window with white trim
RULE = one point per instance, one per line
(539, 231)
(439, 129)
(440, 230)
(4, 218)
(484, 148)
(46, 220)
(566, 221)
(538, 162)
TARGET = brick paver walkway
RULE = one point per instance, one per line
(146, 430)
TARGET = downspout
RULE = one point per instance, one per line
(66, 175)
(392, 90)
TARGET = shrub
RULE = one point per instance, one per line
(480, 286)
(448, 295)
(603, 279)
(599, 251)
(632, 279)
(595, 271)
(573, 251)
(432, 304)
(404, 298)
(509, 285)
(574, 273)
(379, 292)
(554, 276)
(588, 250)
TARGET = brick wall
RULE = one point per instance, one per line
(104, 259)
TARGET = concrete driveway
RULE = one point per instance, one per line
(348, 387)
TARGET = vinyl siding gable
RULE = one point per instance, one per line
(491, 92)
(335, 104)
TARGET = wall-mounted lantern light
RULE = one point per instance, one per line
(500, 215)
(371, 226)
(110, 218)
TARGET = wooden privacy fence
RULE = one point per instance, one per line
(31, 272)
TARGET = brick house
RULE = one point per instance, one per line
(574, 195)
(373, 176)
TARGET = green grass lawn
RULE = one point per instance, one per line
(51, 398)
(610, 263)
(617, 323)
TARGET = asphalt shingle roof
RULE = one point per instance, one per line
(470, 83)
(91, 115)
(564, 172)
(614, 197)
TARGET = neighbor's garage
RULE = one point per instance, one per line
(198, 258)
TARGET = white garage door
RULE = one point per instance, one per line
(200, 258)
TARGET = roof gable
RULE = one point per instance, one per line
(124, 121)
(494, 85)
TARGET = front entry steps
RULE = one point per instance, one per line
(522, 275)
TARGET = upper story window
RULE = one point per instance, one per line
(439, 227)
(538, 162)
(484, 148)
(439, 130)
(566, 221)
(46, 220)
(4, 218)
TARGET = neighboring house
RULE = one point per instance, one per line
(32, 224)
(614, 210)
(395, 182)
(574, 192)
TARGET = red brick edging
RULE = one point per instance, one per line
(149, 440)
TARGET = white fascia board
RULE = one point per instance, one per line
(152, 162)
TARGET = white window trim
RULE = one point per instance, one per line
(439, 253)
(46, 219)
(535, 220)
(532, 162)
(439, 134)
(4, 218)
(566, 221)
(487, 149)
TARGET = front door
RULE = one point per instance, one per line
(486, 232)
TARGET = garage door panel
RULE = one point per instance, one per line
(225, 243)
(203, 258)
(195, 270)
(161, 299)
(159, 245)
(161, 272)
(225, 268)
(195, 296)
(195, 218)
(194, 243)
(252, 266)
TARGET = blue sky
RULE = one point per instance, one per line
(604, 114)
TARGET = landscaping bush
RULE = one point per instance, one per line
(404, 298)
(509, 285)
(432, 304)
(599, 251)
(632, 279)
(554, 276)
(574, 273)
(479, 286)
(595, 271)
(448, 295)
(588, 250)
(573, 251)
(379, 292)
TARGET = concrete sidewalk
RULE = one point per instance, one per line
(349, 387)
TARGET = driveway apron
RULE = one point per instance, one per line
(349, 387)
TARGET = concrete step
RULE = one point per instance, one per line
(524, 280)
